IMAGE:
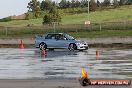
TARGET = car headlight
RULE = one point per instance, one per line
(81, 43)
(78, 43)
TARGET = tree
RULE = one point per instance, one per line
(106, 3)
(63, 4)
(125, 2)
(52, 16)
(46, 5)
(77, 4)
(84, 3)
(42, 5)
(52, 10)
(37, 12)
(47, 19)
(115, 3)
(98, 3)
(54, 4)
(93, 5)
(34, 6)
(68, 4)
(56, 17)
(73, 3)
(129, 2)
(121, 2)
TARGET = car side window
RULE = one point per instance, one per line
(50, 36)
(55, 36)
(60, 37)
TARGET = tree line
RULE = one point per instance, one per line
(45, 5)
(50, 9)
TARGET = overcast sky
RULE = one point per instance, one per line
(14, 7)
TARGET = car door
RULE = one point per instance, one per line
(50, 41)
(61, 41)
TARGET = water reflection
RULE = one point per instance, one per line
(28, 63)
(60, 53)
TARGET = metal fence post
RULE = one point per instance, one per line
(54, 27)
(6, 31)
(100, 27)
(124, 25)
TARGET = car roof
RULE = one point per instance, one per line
(55, 33)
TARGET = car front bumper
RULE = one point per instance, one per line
(82, 47)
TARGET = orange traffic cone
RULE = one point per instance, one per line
(84, 74)
(97, 53)
(21, 45)
(84, 80)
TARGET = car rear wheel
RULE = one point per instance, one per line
(42, 46)
(72, 47)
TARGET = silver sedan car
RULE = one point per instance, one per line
(59, 41)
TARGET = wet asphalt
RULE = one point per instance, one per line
(30, 63)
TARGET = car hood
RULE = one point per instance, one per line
(79, 41)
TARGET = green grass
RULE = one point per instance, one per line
(21, 23)
(28, 33)
(119, 14)
(110, 15)
(18, 28)
(100, 34)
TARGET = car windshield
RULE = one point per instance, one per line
(69, 37)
